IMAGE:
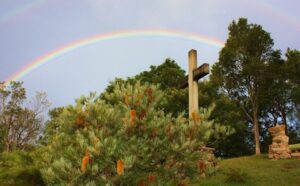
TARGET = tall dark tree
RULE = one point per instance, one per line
(167, 75)
(241, 68)
(293, 69)
(228, 113)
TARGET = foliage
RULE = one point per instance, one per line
(275, 104)
(241, 67)
(17, 168)
(167, 75)
(51, 125)
(229, 114)
(176, 103)
(112, 85)
(135, 133)
(295, 147)
(128, 142)
(293, 66)
(20, 125)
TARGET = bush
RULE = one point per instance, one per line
(128, 142)
(295, 147)
(17, 168)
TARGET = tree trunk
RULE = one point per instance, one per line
(256, 132)
(284, 120)
(275, 120)
(8, 147)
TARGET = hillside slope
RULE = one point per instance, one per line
(255, 170)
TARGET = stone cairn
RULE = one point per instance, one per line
(280, 143)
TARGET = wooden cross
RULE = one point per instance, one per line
(2, 85)
(191, 81)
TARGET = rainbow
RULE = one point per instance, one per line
(48, 57)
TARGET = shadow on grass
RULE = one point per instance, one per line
(236, 176)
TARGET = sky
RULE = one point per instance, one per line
(32, 30)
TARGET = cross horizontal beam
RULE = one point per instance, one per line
(198, 73)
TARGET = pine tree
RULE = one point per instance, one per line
(128, 143)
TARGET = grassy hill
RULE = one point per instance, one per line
(250, 170)
(255, 170)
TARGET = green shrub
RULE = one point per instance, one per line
(128, 142)
(295, 147)
(17, 168)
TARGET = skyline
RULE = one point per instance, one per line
(106, 37)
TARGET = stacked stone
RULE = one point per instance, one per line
(280, 143)
(208, 162)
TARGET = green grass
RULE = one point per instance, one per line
(255, 170)
(17, 169)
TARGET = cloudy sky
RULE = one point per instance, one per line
(31, 29)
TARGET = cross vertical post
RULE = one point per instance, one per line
(193, 85)
(191, 81)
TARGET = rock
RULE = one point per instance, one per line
(277, 129)
(281, 138)
(280, 143)
(296, 155)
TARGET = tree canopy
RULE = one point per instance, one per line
(20, 126)
(254, 75)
